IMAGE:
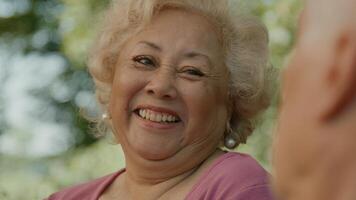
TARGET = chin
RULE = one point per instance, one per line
(156, 152)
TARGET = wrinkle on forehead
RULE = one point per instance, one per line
(202, 32)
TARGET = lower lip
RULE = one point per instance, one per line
(156, 125)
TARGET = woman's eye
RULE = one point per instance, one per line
(144, 60)
(194, 72)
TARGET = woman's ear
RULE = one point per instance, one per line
(339, 78)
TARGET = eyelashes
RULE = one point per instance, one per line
(145, 62)
(192, 71)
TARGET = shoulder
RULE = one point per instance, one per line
(87, 190)
(233, 176)
(239, 166)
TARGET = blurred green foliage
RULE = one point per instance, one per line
(30, 179)
(69, 27)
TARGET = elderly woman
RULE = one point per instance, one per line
(178, 80)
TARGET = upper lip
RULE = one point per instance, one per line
(158, 109)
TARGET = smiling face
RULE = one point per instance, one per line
(169, 94)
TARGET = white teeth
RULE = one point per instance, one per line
(156, 116)
(152, 117)
(164, 118)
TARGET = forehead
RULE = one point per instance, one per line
(181, 23)
(178, 33)
(176, 30)
(183, 20)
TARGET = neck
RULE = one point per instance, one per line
(154, 189)
(153, 179)
(187, 159)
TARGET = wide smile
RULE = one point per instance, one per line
(156, 116)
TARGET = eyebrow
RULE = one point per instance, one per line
(192, 54)
(188, 54)
(152, 45)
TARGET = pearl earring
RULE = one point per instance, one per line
(229, 140)
(105, 116)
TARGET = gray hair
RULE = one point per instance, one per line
(243, 38)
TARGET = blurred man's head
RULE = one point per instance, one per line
(316, 141)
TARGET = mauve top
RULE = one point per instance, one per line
(231, 176)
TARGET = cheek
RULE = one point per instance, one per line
(206, 106)
(196, 96)
(125, 86)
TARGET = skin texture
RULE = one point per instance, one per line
(314, 152)
(162, 67)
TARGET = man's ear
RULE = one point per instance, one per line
(339, 78)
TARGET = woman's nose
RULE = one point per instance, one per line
(162, 85)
